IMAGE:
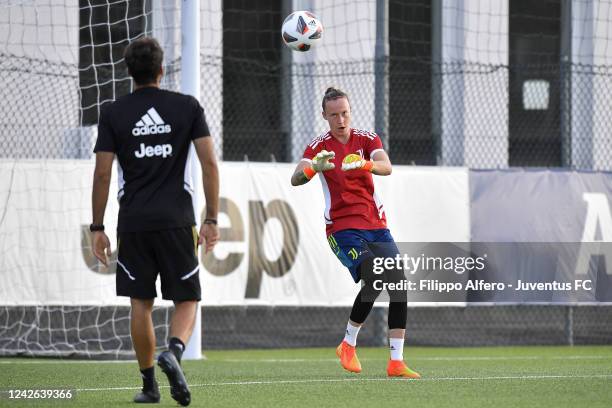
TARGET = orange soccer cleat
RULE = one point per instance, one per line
(397, 368)
(348, 357)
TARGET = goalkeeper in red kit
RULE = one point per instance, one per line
(345, 159)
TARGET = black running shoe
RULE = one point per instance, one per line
(178, 385)
(147, 396)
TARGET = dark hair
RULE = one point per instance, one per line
(143, 58)
(332, 94)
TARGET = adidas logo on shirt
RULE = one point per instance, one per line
(151, 124)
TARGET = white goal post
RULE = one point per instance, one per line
(190, 84)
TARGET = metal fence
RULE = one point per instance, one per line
(506, 84)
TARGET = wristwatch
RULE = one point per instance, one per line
(210, 221)
(94, 227)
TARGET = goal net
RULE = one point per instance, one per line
(60, 62)
(479, 84)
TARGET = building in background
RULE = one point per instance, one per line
(456, 83)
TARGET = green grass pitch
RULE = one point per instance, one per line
(452, 377)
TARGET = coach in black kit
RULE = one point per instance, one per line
(150, 131)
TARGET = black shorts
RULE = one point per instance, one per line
(171, 253)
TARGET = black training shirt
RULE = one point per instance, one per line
(150, 131)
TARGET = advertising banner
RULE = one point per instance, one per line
(273, 248)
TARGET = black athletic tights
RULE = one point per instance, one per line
(398, 309)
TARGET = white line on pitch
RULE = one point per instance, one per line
(20, 362)
(335, 380)
(441, 358)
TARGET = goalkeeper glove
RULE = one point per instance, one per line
(354, 162)
(320, 163)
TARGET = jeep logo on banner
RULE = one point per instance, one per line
(259, 263)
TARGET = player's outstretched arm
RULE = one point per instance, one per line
(381, 165)
(209, 232)
(306, 169)
(299, 177)
(99, 197)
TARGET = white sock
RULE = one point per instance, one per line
(396, 347)
(351, 334)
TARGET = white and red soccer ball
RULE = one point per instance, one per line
(301, 30)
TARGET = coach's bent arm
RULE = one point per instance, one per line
(210, 174)
(101, 185)
(382, 164)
